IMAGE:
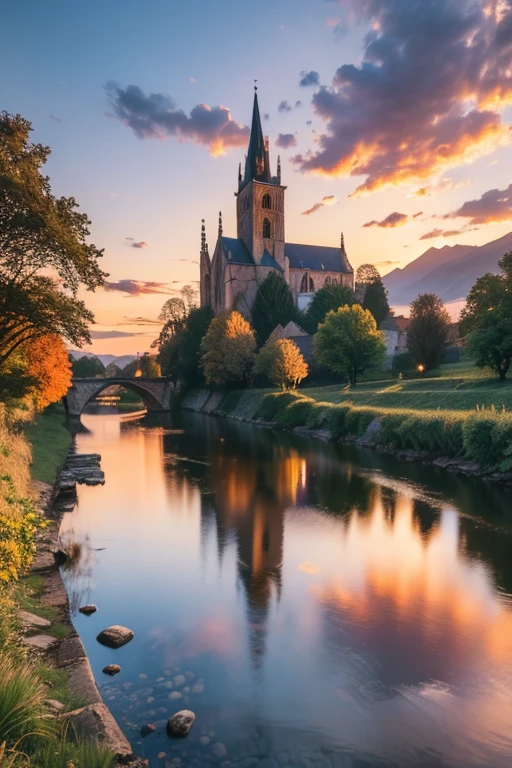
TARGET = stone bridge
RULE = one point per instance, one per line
(154, 393)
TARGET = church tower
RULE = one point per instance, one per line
(260, 199)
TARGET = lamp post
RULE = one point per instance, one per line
(421, 369)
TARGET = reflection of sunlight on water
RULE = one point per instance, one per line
(324, 606)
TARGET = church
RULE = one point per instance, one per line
(230, 278)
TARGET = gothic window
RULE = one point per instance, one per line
(266, 228)
(266, 201)
(307, 285)
(328, 280)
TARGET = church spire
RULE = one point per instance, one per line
(220, 223)
(256, 163)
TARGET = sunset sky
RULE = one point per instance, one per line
(392, 118)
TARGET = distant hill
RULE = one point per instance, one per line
(449, 272)
(121, 361)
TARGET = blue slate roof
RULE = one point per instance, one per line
(268, 261)
(318, 258)
(239, 253)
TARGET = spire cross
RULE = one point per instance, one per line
(255, 86)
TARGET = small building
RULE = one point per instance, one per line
(299, 336)
(394, 330)
(230, 279)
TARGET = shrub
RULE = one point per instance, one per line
(297, 413)
(22, 708)
(272, 403)
(336, 420)
(479, 442)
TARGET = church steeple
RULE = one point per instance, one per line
(257, 161)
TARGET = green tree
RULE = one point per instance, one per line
(272, 306)
(348, 342)
(429, 330)
(44, 254)
(86, 367)
(486, 320)
(282, 362)
(228, 350)
(189, 352)
(149, 366)
(374, 296)
(327, 299)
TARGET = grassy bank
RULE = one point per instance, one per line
(49, 440)
(30, 737)
(459, 413)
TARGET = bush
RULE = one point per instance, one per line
(297, 413)
(478, 433)
(274, 402)
(22, 709)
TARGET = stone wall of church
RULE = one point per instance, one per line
(320, 279)
(242, 283)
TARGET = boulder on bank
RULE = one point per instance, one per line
(115, 636)
(112, 669)
(179, 725)
(88, 609)
(95, 721)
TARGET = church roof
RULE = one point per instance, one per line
(240, 254)
(318, 258)
(268, 261)
(256, 163)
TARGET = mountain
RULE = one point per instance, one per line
(121, 361)
(449, 272)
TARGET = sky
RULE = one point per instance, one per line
(392, 119)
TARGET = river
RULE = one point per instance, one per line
(315, 605)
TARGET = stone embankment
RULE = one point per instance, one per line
(93, 719)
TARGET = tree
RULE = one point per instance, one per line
(86, 367)
(374, 296)
(330, 297)
(282, 362)
(429, 330)
(486, 320)
(149, 366)
(349, 343)
(189, 348)
(44, 254)
(272, 306)
(48, 365)
(228, 349)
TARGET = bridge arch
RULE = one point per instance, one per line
(154, 393)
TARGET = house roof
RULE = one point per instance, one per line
(318, 258)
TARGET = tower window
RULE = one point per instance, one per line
(307, 285)
(266, 201)
(266, 228)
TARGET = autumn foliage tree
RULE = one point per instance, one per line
(44, 254)
(282, 362)
(47, 364)
(348, 342)
(228, 350)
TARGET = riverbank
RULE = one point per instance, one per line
(473, 442)
(54, 715)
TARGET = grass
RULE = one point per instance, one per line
(50, 440)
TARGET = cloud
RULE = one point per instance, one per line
(55, 118)
(131, 243)
(387, 263)
(309, 78)
(298, 104)
(309, 122)
(266, 116)
(137, 287)
(112, 334)
(284, 107)
(156, 116)
(427, 96)
(328, 200)
(494, 206)
(191, 79)
(443, 185)
(446, 233)
(393, 220)
(415, 215)
(286, 140)
(139, 321)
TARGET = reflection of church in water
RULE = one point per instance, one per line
(247, 508)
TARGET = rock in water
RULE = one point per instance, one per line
(179, 725)
(115, 636)
(88, 609)
(147, 729)
(112, 669)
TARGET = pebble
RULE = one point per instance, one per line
(88, 609)
(147, 729)
(175, 695)
(204, 739)
(142, 676)
(219, 750)
(112, 669)
(198, 688)
(179, 680)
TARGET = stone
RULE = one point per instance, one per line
(197, 688)
(112, 669)
(70, 650)
(96, 722)
(54, 705)
(179, 725)
(162, 755)
(179, 680)
(31, 620)
(204, 739)
(41, 642)
(147, 729)
(81, 681)
(175, 695)
(88, 609)
(115, 636)
(219, 750)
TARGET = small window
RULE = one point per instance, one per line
(307, 285)
(266, 202)
(266, 229)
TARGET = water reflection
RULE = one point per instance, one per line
(321, 604)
